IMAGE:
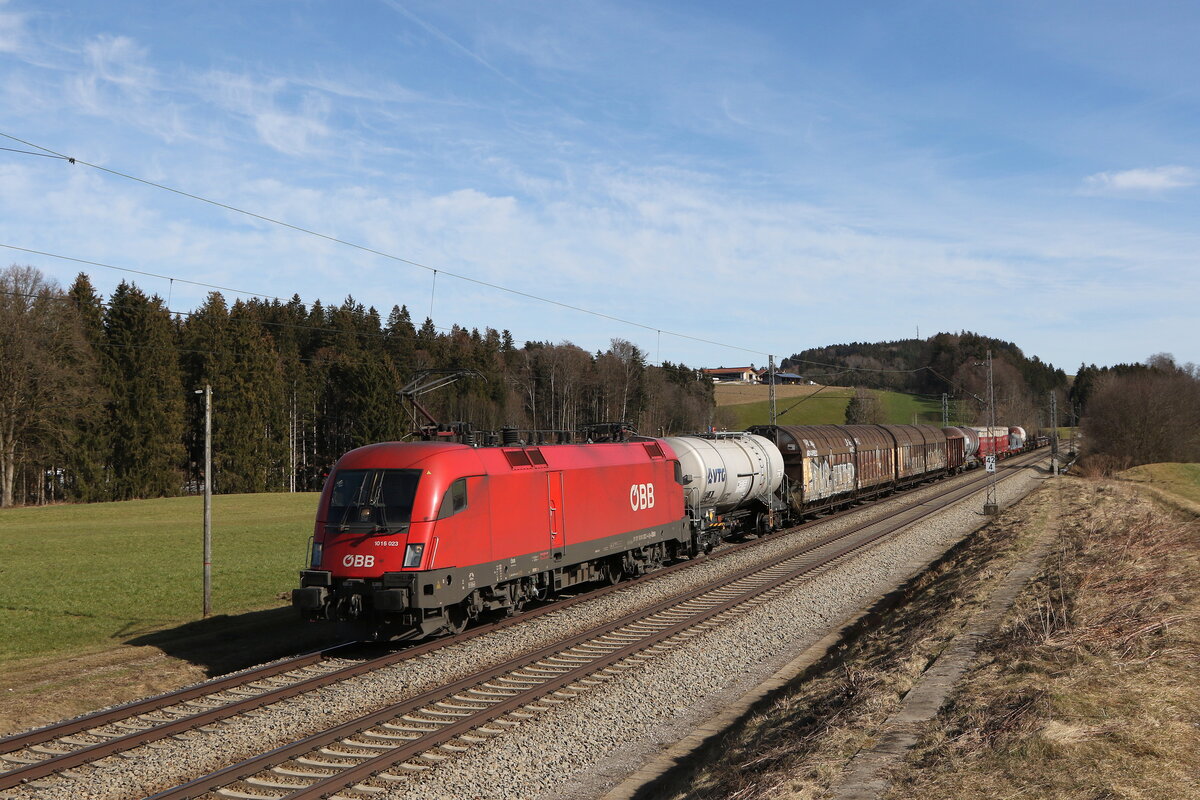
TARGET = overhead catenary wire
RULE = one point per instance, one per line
(373, 251)
(410, 338)
(132, 271)
(267, 323)
(30, 153)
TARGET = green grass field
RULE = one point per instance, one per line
(86, 576)
(829, 408)
(1178, 479)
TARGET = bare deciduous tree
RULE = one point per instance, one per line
(46, 378)
(1144, 418)
(864, 408)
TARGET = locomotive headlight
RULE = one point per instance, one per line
(412, 555)
(315, 562)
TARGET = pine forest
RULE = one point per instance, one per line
(99, 399)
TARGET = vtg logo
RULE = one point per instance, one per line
(716, 475)
(641, 496)
(358, 560)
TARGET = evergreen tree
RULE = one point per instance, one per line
(252, 437)
(204, 359)
(400, 340)
(88, 464)
(147, 402)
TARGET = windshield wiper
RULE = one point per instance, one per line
(381, 525)
(344, 525)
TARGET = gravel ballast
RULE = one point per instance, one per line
(578, 748)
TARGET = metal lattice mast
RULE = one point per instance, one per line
(771, 390)
(1053, 433)
(990, 505)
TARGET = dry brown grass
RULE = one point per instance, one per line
(731, 394)
(799, 743)
(1092, 689)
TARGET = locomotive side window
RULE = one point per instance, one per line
(455, 499)
(380, 498)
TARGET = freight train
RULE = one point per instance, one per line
(419, 538)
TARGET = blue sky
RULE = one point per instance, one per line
(773, 176)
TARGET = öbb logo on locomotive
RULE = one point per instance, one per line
(641, 496)
(358, 560)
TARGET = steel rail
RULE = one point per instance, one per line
(115, 744)
(10, 744)
(353, 774)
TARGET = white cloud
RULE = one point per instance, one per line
(12, 30)
(291, 131)
(1148, 179)
(114, 75)
(119, 60)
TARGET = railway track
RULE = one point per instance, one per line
(367, 754)
(40, 753)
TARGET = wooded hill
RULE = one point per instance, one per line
(945, 363)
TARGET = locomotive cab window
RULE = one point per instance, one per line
(455, 499)
(378, 498)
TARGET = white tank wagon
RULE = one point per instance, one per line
(730, 481)
(970, 441)
(1016, 438)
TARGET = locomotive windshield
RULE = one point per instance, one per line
(378, 499)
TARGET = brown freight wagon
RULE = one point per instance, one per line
(956, 449)
(875, 458)
(828, 465)
(920, 451)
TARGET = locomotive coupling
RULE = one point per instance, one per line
(313, 594)
(310, 599)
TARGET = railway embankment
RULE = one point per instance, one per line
(613, 724)
(1081, 685)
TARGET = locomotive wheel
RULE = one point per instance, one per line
(456, 619)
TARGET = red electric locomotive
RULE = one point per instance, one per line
(416, 538)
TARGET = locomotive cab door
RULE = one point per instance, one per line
(558, 535)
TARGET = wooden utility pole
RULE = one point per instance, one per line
(207, 392)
